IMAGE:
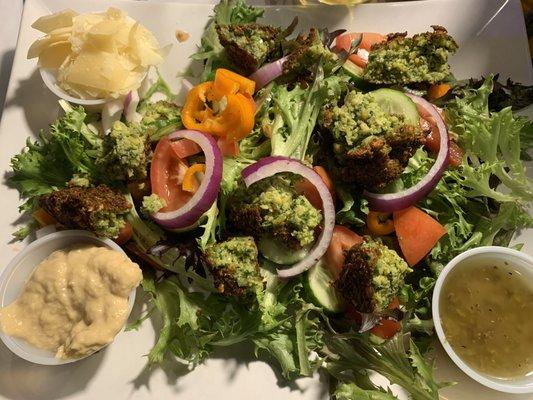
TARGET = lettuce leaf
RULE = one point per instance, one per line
(470, 221)
(350, 391)
(210, 50)
(279, 322)
(354, 208)
(491, 141)
(295, 111)
(69, 148)
(504, 94)
(352, 355)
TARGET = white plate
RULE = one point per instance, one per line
(492, 38)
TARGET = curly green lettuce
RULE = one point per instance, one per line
(211, 52)
(353, 356)
(67, 150)
(294, 112)
(491, 141)
(470, 221)
(279, 323)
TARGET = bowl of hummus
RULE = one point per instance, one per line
(66, 296)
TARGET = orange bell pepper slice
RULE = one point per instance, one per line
(196, 113)
(240, 110)
(236, 116)
(228, 82)
(437, 91)
(190, 183)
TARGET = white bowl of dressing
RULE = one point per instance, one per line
(17, 272)
(494, 255)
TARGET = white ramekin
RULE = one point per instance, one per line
(50, 80)
(15, 275)
(521, 262)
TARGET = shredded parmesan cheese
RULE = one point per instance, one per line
(96, 55)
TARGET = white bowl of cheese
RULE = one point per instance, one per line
(89, 59)
(20, 270)
(49, 77)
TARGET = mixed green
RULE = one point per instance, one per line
(366, 305)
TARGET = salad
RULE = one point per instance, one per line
(303, 199)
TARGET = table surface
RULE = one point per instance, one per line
(11, 10)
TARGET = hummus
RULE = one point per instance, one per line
(75, 302)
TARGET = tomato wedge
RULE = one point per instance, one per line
(417, 233)
(228, 147)
(386, 328)
(165, 173)
(343, 239)
(124, 234)
(343, 42)
(309, 190)
(184, 148)
(455, 153)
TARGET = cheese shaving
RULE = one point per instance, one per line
(96, 55)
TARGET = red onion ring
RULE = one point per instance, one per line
(267, 73)
(398, 201)
(270, 166)
(206, 194)
(130, 107)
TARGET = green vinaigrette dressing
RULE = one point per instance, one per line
(487, 316)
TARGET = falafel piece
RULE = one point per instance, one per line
(162, 110)
(401, 60)
(272, 209)
(304, 53)
(371, 146)
(371, 276)
(234, 266)
(381, 161)
(247, 220)
(158, 115)
(248, 45)
(125, 152)
(96, 209)
(355, 280)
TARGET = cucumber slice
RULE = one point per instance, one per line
(395, 102)
(352, 70)
(355, 72)
(280, 254)
(319, 284)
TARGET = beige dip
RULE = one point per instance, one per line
(75, 302)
